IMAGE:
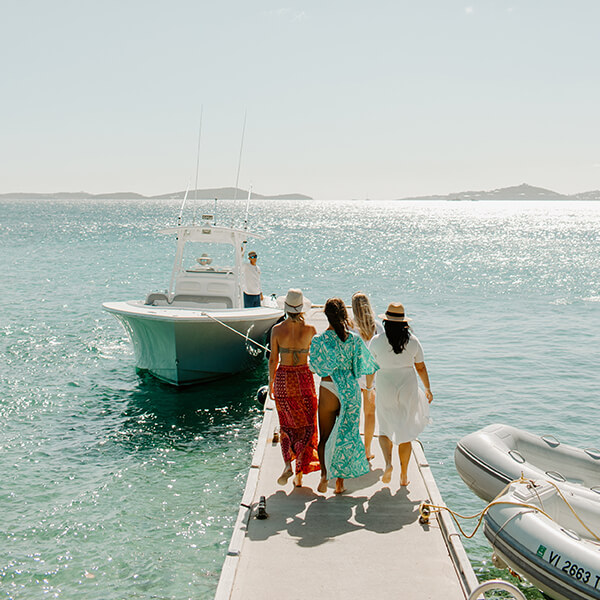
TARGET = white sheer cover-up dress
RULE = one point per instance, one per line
(401, 406)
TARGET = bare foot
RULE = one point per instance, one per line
(283, 478)
(404, 481)
(370, 456)
(322, 487)
(339, 486)
(298, 480)
(387, 474)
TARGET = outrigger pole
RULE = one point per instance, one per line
(237, 177)
(197, 168)
(182, 205)
(247, 208)
(197, 164)
(198, 152)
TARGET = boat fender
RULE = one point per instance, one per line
(261, 394)
(498, 562)
(262, 509)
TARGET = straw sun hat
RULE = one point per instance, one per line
(294, 302)
(395, 312)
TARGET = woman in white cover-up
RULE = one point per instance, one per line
(402, 407)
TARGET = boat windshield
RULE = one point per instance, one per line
(208, 257)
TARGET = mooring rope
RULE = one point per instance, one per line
(426, 508)
(248, 339)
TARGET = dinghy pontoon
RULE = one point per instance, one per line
(488, 459)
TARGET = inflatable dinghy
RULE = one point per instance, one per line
(548, 536)
(488, 459)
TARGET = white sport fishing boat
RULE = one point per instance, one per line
(549, 536)
(198, 329)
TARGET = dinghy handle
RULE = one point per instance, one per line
(556, 475)
(516, 455)
(497, 584)
(571, 533)
(551, 440)
(593, 452)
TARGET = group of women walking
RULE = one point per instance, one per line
(359, 361)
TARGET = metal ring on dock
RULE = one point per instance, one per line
(497, 584)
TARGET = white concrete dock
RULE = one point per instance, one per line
(367, 542)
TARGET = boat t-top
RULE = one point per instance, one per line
(198, 329)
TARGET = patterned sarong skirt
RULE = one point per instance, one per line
(296, 402)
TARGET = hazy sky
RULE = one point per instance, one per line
(379, 99)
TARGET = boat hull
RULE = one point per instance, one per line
(187, 346)
(550, 554)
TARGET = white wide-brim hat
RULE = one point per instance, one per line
(294, 302)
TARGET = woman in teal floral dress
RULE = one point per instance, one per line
(340, 358)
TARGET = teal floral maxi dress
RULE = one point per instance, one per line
(344, 362)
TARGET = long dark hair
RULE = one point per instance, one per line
(337, 315)
(398, 334)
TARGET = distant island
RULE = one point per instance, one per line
(226, 193)
(516, 192)
(523, 192)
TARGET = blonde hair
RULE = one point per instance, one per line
(363, 316)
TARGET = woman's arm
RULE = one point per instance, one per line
(370, 381)
(273, 361)
(422, 371)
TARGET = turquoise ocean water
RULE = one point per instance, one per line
(116, 486)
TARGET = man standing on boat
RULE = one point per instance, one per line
(252, 290)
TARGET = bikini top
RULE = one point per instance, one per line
(294, 352)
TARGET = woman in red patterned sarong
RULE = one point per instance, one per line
(292, 386)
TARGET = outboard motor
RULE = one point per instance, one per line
(261, 394)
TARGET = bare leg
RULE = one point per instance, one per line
(298, 480)
(369, 410)
(287, 473)
(339, 486)
(329, 406)
(404, 451)
(386, 448)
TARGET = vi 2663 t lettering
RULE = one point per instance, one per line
(575, 571)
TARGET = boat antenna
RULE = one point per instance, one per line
(237, 177)
(182, 205)
(215, 213)
(247, 208)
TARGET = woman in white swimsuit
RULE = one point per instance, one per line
(339, 357)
